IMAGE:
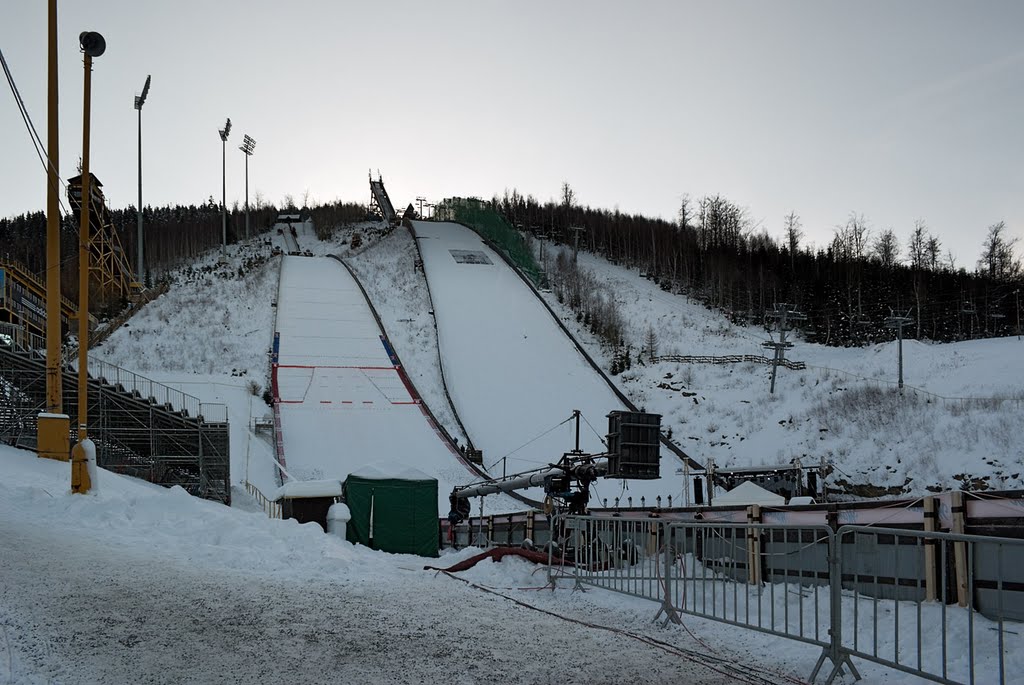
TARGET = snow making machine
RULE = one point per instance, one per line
(633, 453)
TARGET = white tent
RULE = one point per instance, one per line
(749, 493)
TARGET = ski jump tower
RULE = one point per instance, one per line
(379, 200)
(109, 268)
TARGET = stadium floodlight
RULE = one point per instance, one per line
(140, 100)
(224, 133)
(247, 146)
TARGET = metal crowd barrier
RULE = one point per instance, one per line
(934, 604)
(888, 596)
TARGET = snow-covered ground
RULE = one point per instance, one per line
(843, 408)
(840, 408)
(136, 583)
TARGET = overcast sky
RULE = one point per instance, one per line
(896, 110)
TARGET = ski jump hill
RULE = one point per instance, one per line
(343, 400)
(513, 373)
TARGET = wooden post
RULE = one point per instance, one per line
(530, 515)
(931, 515)
(754, 546)
(490, 530)
(959, 511)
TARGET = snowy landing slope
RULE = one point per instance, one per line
(343, 401)
(513, 374)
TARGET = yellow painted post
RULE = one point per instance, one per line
(52, 439)
(81, 482)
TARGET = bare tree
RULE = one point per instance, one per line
(305, 198)
(933, 249)
(917, 245)
(997, 259)
(793, 236)
(886, 248)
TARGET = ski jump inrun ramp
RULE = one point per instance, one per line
(512, 372)
(343, 400)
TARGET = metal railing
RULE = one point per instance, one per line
(272, 508)
(17, 336)
(920, 602)
(160, 394)
(884, 595)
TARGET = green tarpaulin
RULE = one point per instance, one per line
(393, 514)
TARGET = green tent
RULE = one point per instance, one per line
(393, 510)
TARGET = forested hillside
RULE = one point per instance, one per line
(173, 234)
(846, 289)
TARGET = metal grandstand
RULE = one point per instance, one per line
(141, 428)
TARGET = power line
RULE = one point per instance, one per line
(37, 142)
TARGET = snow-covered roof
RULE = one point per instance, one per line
(749, 493)
(390, 470)
(298, 489)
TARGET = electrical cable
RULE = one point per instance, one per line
(531, 440)
(33, 135)
(725, 667)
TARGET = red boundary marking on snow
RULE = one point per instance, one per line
(325, 401)
(357, 368)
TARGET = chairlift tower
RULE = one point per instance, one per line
(783, 316)
(898, 322)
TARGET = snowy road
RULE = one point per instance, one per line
(142, 585)
(513, 374)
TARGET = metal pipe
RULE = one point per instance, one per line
(530, 480)
(139, 273)
(83, 262)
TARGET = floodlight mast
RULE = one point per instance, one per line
(93, 45)
(247, 146)
(224, 133)
(140, 100)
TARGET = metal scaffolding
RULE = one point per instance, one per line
(141, 428)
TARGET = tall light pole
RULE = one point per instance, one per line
(53, 430)
(247, 146)
(224, 133)
(93, 45)
(140, 100)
